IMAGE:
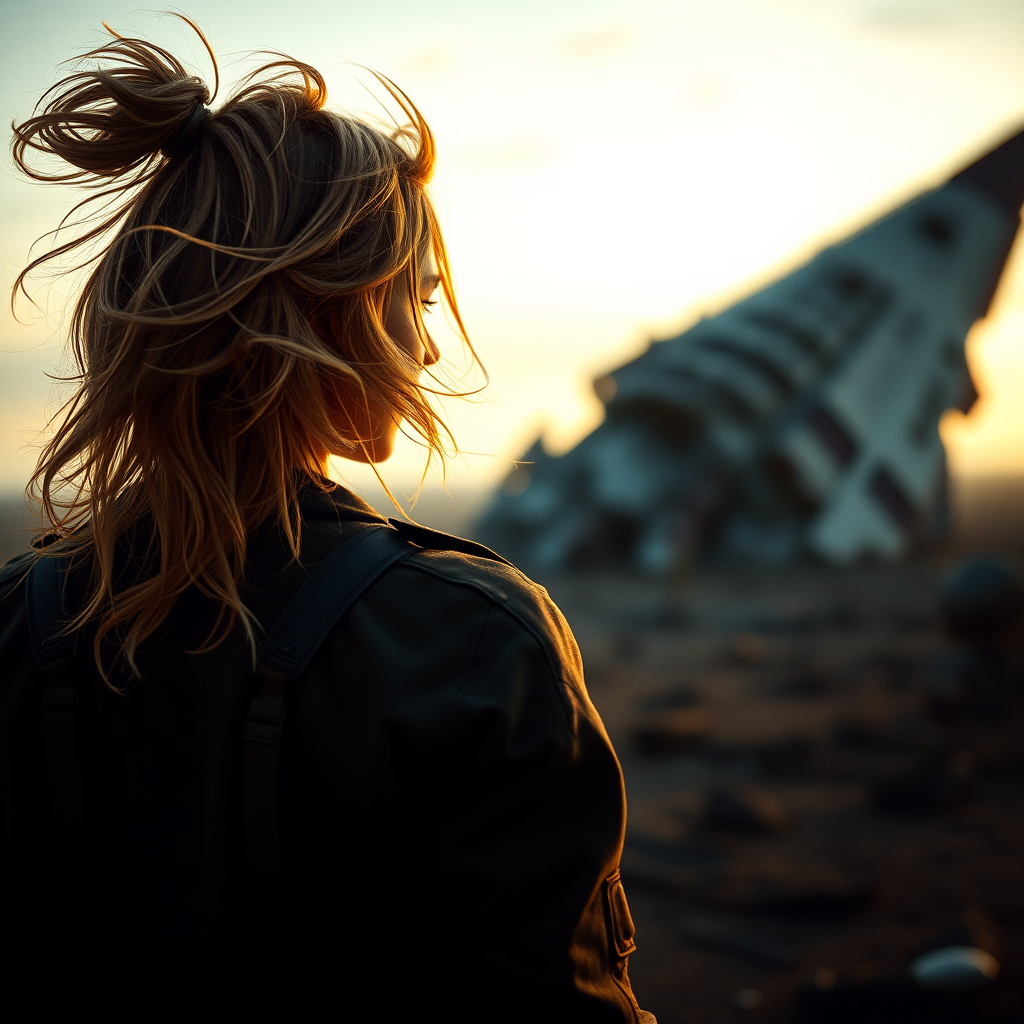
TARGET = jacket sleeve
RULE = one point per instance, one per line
(530, 833)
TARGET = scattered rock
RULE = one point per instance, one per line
(939, 780)
(744, 809)
(955, 969)
(975, 927)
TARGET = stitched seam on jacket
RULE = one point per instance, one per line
(554, 663)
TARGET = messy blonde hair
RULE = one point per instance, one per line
(246, 259)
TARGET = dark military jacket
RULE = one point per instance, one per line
(452, 811)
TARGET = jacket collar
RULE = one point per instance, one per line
(326, 500)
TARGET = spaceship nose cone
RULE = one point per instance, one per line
(999, 174)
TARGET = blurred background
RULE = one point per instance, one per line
(609, 173)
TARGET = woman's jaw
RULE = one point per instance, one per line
(376, 426)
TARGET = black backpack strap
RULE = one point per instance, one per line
(331, 589)
(53, 650)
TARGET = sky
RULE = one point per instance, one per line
(607, 173)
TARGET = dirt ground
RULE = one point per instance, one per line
(803, 690)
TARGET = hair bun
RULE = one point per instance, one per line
(185, 139)
(136, 103)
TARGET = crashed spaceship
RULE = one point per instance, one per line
(801, 421)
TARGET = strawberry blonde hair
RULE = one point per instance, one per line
(245, 260)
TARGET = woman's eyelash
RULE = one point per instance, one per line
(428, 302)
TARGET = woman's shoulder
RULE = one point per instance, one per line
(456, 561)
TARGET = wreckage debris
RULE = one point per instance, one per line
(801, 421)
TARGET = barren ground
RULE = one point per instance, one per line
(808, 685)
